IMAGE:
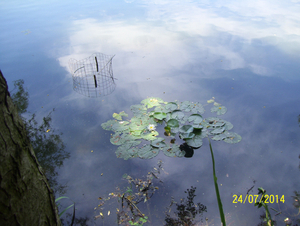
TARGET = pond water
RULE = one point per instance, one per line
(244, 54)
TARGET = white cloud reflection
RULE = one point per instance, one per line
(218, 35)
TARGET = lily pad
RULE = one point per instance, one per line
(119, 116)
(138, 109)
(195, 142)
(197, 126)
(159, 115)
(173, 151)
(228, 125)
(158, 142)
(147, 152)
(232, 137)
(195, 118)
(186, 135)
(186, 129)
(197, 108)
(116, 139)
(127, 153)
(161, 108)
(133, 127)
(177, 114)
(186, 106)
(173, 123)
(215, 122)
(221, 110)
(150, 136)
(221, 136)
(152, 102)
(171, 106)
(120, 126)
(217, 130)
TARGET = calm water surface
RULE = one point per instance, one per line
(245, 54)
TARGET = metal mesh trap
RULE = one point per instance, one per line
(93, 76)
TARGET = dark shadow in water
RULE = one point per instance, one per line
(186, 211)
(47, 144)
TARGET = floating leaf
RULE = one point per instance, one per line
(217, 130)
(221, 136)
(161, 109)
(116, 139)
(228, 125)
(152, 102)
(167, 129)
(174, 130)
(202, 133)
(210, 101)
(136, 132)
(133, 127)
(128, 150)
(159, 115)
(197, 126)
(180, 153)
(173, 123)
(205, 123)
(120, 126)
(150, 136)
(186, 135)
(138, 109)
(197, 108)
(158, 142)
(119, 116)
(221, 110)
(186, 106)
(195, 142)
(195, 118)
(125, 154)
(215, 122)
(177, 114)
(232, 137)
(186, 129)
(171, 106)
(173, 151)
(109, 124)
(147, 152)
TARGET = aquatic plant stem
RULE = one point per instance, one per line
(217, 188)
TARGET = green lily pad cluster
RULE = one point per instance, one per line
(179, 118)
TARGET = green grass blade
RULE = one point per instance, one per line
(217, 188)
(65, 210)
(62, 197)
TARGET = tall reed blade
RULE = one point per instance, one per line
(217, 188)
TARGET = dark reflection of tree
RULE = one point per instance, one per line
(186, 211)
(78, 221)
(47, 145)
(20, 97)
(48, 148)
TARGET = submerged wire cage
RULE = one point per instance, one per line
(93, 76)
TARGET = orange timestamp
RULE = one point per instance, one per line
(255, 198)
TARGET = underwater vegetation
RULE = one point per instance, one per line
(139, 190)
(138, 136)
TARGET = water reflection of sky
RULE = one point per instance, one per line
(245, 54)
